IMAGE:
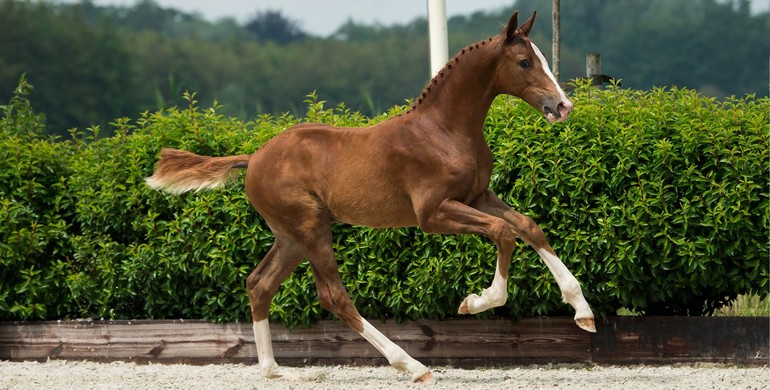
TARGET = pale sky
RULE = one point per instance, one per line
(323, 17)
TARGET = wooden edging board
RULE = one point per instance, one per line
(459, 342)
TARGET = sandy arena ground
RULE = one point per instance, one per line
(88, 375)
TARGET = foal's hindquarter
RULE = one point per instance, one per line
(428, 168)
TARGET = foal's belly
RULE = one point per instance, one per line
(366, 206)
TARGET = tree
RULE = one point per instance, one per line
(83, 73)
(272, 26)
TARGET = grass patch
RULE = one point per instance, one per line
(746, 306)
(743, 306)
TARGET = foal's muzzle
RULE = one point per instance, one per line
(558, 112)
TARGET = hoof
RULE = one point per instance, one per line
(425, 378)
(586, 324)
(464, 308)
(271, 371)
(272, 374)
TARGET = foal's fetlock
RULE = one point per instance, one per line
(474, 303)
(494, 298)
(405, 363)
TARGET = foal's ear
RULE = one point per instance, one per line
(510, 29)
(527, 26)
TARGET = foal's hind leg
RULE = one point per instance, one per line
(262, 285)
(334, 297)
(531, 233)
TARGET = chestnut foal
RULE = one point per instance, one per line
(429, 168)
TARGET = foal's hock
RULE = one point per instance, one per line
(429, 167)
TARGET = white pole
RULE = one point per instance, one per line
(556, 42)
(439, 43)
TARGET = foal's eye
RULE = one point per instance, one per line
(524, 64)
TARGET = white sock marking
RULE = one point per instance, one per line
(494, 296)
(497, 293)
(569, 286)
(267, 365)
(396, 356)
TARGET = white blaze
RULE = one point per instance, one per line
(547, 70)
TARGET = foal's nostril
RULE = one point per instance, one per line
(559, 112)
(560, 108)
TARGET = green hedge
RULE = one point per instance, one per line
(656, 200)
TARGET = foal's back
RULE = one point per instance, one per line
(360, 175)
(374, 176)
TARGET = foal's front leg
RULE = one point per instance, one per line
(531, 233)
(455, 217)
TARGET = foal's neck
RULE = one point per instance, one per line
(458, 97)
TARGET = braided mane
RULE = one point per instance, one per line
(443, 73)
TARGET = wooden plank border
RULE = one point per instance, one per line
(666, 340)
(458, 342)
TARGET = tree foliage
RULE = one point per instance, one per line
(84, 73)
(272, 26)
(94, 63)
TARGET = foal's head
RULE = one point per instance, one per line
(523, 71)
